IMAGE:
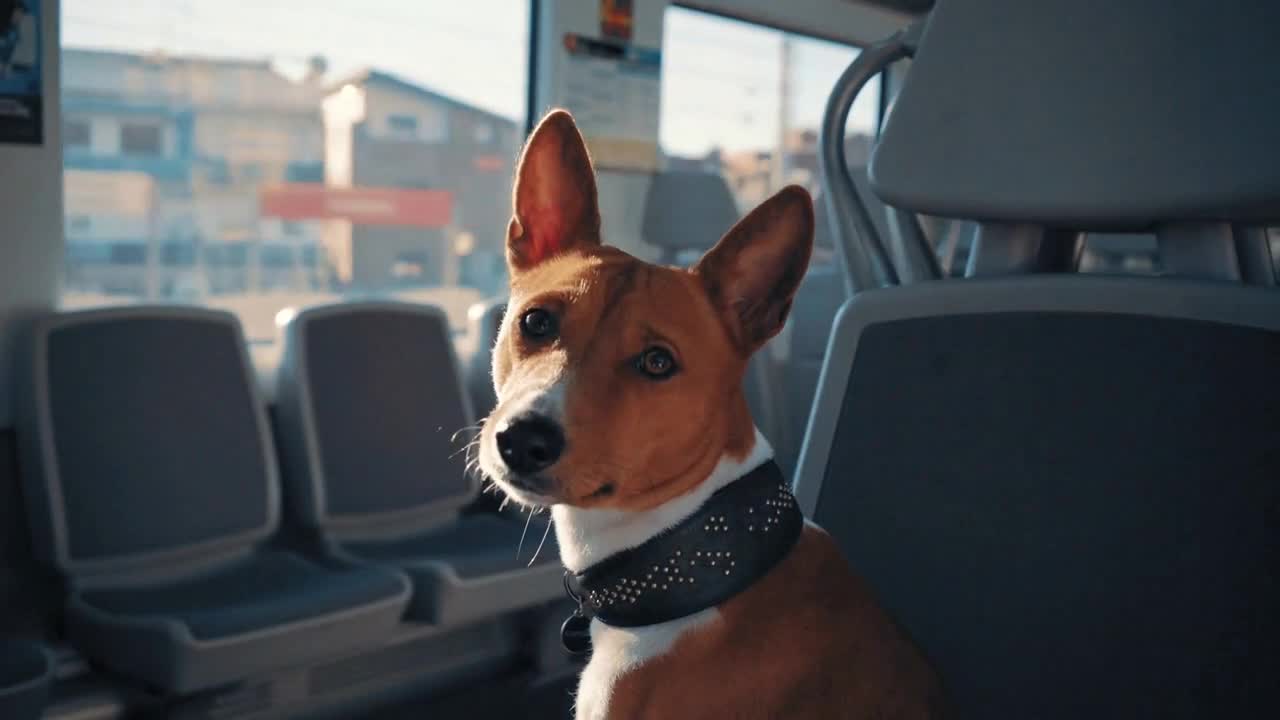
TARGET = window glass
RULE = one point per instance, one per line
(251, 155)
(746, 101)
(141, 139)
(403, 124)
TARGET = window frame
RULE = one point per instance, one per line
(134, 125)
(532, 108)
(403, 125)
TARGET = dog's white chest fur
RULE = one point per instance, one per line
(589, 536)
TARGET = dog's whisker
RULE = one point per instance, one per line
(472, 466)
(454, 437)
(524, 532)
(540, 544)
(471, 446)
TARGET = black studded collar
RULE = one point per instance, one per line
(737, 536)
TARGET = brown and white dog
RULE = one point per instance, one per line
(621, 408)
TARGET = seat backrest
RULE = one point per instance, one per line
(819, 297)
(812, 314)
(1065, 488)
(687, 211)
(487, 319)
(372, 413)
(143, 440)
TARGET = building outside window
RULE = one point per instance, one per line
(321, 160)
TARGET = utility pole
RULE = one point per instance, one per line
(779, 177)
(151, 276)
(781, 347)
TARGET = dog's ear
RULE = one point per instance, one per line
(753, 272)
(555, 195)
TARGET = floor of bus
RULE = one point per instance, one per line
(497, 699)
(488, 697)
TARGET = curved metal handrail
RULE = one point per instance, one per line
(866, 264)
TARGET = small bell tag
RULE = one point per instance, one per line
(575, 634)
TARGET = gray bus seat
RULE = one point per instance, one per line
(487, 318)
(1042, 143)
(686, 211)
(691, 211)
(1065, 488)
(370, 402)
(151, 486)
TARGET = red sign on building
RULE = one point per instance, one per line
(360, 205)
(488, 163)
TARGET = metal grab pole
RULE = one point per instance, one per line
(862, 251)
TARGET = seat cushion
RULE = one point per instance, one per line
(471, 569)
(26, 673)
(272, 589)
(21, 662)
(255, 616)
(475, 546)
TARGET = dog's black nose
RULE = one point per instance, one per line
(530, 443)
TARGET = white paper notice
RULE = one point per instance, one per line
(613, 90)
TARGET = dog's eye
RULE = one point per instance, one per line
(657, 363)
(538, 324)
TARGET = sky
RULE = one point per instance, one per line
(721, 78)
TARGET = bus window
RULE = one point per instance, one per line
(746, 101)
(245, 156)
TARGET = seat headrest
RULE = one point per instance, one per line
(687, 210)
(1094, 116)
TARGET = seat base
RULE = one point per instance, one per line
(469, 569)
(26, 673)
(264, 613)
